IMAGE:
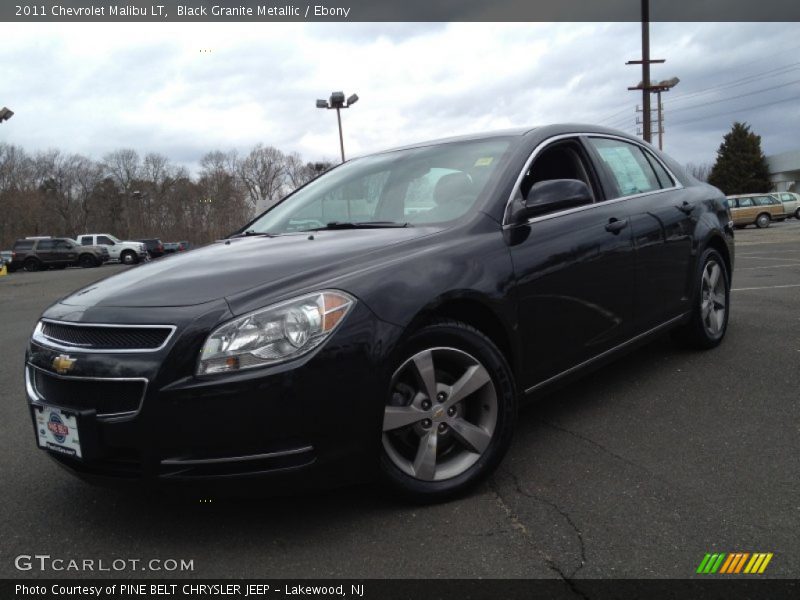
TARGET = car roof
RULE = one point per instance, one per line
(750, 195)
(543, 130)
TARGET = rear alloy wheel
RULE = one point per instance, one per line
(712, 304)
(763, 221)
(129, 258)
(87, 261)
(32, 264)
(450, 413)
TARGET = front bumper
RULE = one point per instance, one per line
(318, 416)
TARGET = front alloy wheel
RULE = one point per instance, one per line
(450, 413)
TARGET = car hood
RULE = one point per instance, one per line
(233, 266)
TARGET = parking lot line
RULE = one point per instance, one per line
(794, 265)
(766, 287)
(772, 258)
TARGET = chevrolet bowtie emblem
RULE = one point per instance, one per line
(63, 363)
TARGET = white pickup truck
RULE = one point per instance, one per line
(128, 253)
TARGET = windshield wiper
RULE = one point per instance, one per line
(251, 232)
(360, 225)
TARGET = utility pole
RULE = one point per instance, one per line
(658, 89)
(645, 62)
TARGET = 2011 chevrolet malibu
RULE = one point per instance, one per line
(387, 317)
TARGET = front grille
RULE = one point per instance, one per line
(106, 337)
(105, 396)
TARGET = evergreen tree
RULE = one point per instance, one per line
(741, 167)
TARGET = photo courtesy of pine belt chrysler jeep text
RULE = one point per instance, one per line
(386, 318)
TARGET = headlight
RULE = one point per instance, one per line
(274, 334)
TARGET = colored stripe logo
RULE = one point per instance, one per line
(734, 563)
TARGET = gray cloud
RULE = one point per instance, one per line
(94, 88)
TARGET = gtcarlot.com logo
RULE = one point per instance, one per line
(734, 563)
(46, 562)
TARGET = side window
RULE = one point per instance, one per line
(101, 239)
(661, 173)
(764, 200)
(562, 160)
(45, 245)
(745, 202)
(23, 246)
(786, 197)
(86, 240)
(628, 165)
(62, 245)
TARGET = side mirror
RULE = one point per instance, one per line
(555, 194)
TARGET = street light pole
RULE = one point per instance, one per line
(338, 102)
(341, 137)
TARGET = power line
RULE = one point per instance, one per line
(729, 98)
(730, 112)
(737, 82)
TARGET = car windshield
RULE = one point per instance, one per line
(430, 184)
(113, 239)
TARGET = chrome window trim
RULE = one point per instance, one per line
(37, 399)
(43, 340)
(562, 136)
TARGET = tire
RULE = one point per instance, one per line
(87, 261)
(469, 436)
(763, 220)
(711, 304)
(797, 213)
(128, 257)
(32, 264)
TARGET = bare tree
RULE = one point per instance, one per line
(262, 173)
(699, 171)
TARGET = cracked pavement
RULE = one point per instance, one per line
(636, 470)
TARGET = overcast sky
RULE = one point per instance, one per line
(184, 89)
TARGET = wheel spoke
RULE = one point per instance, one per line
(395, 417)
(425, 460)
(705, 309)
(713, 276)
(471, 436)
(423, 362)
(719, 319)
(719, 300)
(471, 381)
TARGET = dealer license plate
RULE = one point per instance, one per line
(57, 430)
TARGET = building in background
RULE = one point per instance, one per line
(784, 171)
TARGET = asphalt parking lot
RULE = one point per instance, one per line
(635, 471)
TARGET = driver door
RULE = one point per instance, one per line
(573, 271)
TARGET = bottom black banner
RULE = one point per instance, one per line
(402, 589)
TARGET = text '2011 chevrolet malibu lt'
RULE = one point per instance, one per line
(387, 317)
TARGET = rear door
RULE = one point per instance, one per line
(46, 251)
(663, 223)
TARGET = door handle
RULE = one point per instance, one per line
(616, 225)
(686, 207)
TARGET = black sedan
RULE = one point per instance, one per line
(387, 317)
